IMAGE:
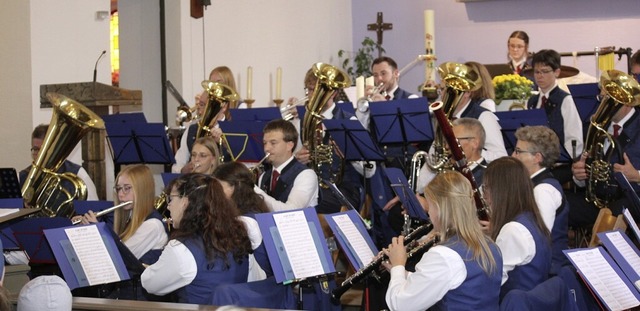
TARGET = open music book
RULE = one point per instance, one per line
(352, 236)
(612, 272)
(295, 244)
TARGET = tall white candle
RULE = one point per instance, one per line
(359, 87)
(368, 81)
(279, 83)
(429, 31)
(249, 81)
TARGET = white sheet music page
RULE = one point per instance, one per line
(93, 254)
(299, 244)
(355, 238)
(8, 211)
(625, 249)
(631, 222)
(603, 279)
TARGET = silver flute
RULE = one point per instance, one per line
(105, 211)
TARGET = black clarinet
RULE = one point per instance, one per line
(375, 265)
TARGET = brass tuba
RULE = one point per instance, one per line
(330, 79)
(43, 187)
(220, 96)
(619, 89)
(458, 79)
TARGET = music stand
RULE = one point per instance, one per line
(137, 142)
(630, 193)
(407, 197)
(255, 114)
(347, 107)
(401, 121)
(586, 98)
(9, 184)
(498, 69)
(243, 139)
(353, 140)
(30, 236)
(133, 117)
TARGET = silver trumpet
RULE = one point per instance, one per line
(105, 211)
(363, 103)
(288, 112)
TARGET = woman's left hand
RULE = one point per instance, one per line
(396, 252)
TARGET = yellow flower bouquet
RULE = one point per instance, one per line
(511, 86)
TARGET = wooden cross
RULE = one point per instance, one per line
(379, 27)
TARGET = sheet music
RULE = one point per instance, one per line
(298, 243)
(93, 255)
(8, 211)
(603, 279)
(351, 234)
(632, 222)
(628, 253)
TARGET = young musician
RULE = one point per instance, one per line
(518, 51)
(183, 154)
(138, 225)
(463, 272)
(286, 184)
(516, 225)
(205, 155)
(538, 148)
(385, 71)
(209, 245)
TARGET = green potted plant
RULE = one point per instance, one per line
(359, 63)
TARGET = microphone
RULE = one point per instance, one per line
(95, 68)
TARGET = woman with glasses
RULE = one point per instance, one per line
(516, 225)
(209, 245)
(518, 51)
(205, 155)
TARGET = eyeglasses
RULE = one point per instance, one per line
(125, 189)
(519, 151)
(35, 149)
(516, 47)
(171, 196)
(542, 72)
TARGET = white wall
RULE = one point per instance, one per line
(479, 30)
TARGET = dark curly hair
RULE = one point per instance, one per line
(242, 179)
(212, 217)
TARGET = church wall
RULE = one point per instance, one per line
(478, 31)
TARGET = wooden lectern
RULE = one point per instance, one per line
(99, 98)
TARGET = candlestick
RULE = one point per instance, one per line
(249, 102)
(249, 81)
(278, 102)
(279, 82)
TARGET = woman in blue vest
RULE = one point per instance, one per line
(516, 225)
(463, 272)
(209, 245)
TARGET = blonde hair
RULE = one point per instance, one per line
(209, 143)
(227, 79)
(143, 186)
(453, 195)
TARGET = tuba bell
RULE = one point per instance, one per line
(619, 90)
(43, 186)
(220, 96)
(458, 79)
(330, 79)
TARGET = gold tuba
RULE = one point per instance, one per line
(330, 79)
(458, 79)
(43, 187)
(220, 96)
(619, 89)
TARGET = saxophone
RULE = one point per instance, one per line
(459, 79)
(619, 89)
(330, 79)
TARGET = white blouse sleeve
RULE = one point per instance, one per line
(517, 246)
(175, 269)
(150, 235)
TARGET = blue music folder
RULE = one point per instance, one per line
(274, 243)
(68, 260)
(401, 121)
(401, 188)
(346, 245)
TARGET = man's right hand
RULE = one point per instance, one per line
(579, 169)
(303, 156)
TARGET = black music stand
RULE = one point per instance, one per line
(630, 193)
(401, 121)
(347, 107)
(9, 184)
(243, 139)
(137, 142)
(133, 117)
(255, 114)
(353, 140)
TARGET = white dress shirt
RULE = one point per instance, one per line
(517, 246)
(92, 194)
(150, 235)
(304, 192)
(439, 270)
(548, 199)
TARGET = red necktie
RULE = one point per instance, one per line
(518, 69)
(616, 130)
(544, 102)
(387, 97)
(274, 179)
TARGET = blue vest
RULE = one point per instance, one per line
(559, 231)
(192, 131)
(553, 109)
(210, 274)
(285, 181)
(479, 291)
(478, 172)
(473, 110)
(526, 277)
(400, 94)
(152, 255)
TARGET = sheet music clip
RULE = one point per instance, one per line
(353, 140)
(401, 121)
(137, 142)
(29, 233)
(264, 114)
(586, 98)
(9, 184)
(243, 139)
(282, 232)
(407, 197)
